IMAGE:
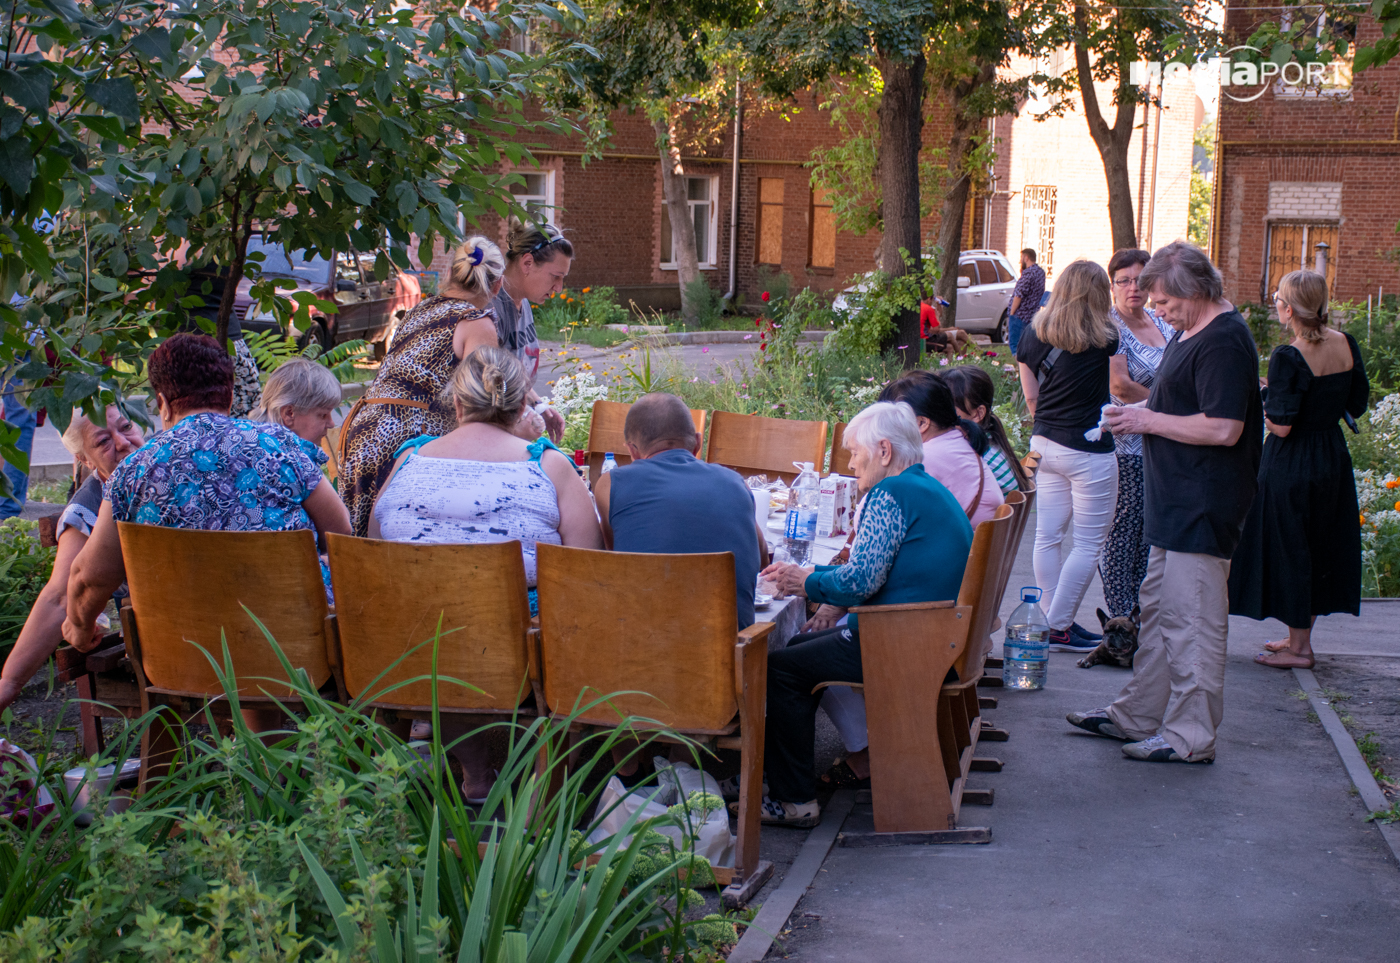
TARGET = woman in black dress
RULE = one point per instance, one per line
(1300, 554)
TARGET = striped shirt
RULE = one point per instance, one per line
(1001, 471)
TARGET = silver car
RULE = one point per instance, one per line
(985, 281)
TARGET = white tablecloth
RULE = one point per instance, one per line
(788, 615)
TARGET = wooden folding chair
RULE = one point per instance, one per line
(390, 598)
(840, 457)
(331, 446)
(605, 434)
(661, 628)
(190, 587)
(753, 445)
(1022, 501)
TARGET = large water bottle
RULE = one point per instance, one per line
(801, 529)
(1026, 653)
(609, 463)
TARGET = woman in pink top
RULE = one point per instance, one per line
(950, 443)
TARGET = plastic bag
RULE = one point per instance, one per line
(676, 781)
(24, 799)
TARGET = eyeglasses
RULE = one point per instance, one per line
(1124, 282)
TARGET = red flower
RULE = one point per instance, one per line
(757, 322)
(991, 354)
(764, 295)
(763, 347)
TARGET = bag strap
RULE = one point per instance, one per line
(981, 485)
(1043, 371)
(349, 419)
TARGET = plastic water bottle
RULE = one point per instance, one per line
(801, 529)
(1026, 653)
(609, 463)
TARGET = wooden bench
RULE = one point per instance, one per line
(753, 445)
(605, 435)
(656, 634)
(840, 457)
(1023, 501)
(188, 590)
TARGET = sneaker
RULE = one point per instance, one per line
(1066, 641)
(1097, 722)
(729, 788)
(1157, 749)
(1080, 632)
(798, 815)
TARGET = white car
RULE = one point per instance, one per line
(985, 281)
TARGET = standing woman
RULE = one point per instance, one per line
(1064, 357)
(1300, 554)
(1142, 337)
(404, 400)
(538, 257)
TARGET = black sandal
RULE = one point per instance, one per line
(842, 776)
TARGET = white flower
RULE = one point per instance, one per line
(577, 392)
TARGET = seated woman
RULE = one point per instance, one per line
(483, 483)
(911, 546)
(973, 396)
(950, 453)
(301, 396)
(206, 471)
(100, 448)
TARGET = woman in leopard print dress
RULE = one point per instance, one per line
(404, 400)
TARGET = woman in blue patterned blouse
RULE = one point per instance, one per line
(205, 471)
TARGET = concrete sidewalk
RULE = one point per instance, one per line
(1262, 856)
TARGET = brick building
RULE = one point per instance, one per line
(1048, 192)
(1298, 167)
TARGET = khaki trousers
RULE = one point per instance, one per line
(1178, 684)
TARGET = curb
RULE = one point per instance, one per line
(1352, 760)
(714, 337)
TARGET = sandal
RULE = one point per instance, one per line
(1284, 660)
(842, 776)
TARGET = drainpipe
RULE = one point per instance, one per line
(734, 199)
(1156, 157)
(991, 179)
(1142, 170)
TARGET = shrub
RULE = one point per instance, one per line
(706, 304)
(25, 566)
(591, 307)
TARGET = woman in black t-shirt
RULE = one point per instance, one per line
(1063, 357)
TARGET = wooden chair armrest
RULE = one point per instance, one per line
(108, 658)
(759, 631)
(751, 644)
(904, 606)
(822, 685)
(534, 660)
(332, 641)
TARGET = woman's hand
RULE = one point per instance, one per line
(1129, 420)
(825, 618)
(791, 579)
(530, 426)
(554, 425)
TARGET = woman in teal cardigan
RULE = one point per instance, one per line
(911, 546)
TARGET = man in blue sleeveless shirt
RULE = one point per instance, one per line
(669, 502)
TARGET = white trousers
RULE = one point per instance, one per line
(1073, 489)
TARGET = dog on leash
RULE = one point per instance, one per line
(1120, 640)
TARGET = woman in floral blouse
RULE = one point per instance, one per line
(205, 471)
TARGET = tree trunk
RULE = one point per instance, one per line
(901, 125)
(1112, 142)
(956, 188)
(673, 188)
(243, 231)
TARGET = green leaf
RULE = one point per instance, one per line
(103, 126)
(105, 284)
(359, 193)
(283, 177)
(29, 87)
(1281, 54)
(16, 164)
(116, 95)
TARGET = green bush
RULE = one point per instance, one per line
(591, 307)
(25, 566)
(706, 304)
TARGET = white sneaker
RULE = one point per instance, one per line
(799, 815)
(1157, 749)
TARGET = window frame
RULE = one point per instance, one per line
(812, 207)
(712, 263)
(1334, 228)
(761, 220)
(546, 199)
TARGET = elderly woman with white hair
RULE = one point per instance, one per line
(911, 546)
(100, 448)
(301, 396)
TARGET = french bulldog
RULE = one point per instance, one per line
(1120, 640)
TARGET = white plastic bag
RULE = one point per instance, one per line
(676, 782)
(27, 800)
(1096, 432)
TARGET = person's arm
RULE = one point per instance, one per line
(96, 573)
(1360, 392)
(602, 497)
(1121, 384)
(578, 522)
(553, 420)
(1015, 304)
(1029, 387)
(1197, 429)
(473, 333)
(872, 555)
(328, 513)
(43, 630)
(374, 531)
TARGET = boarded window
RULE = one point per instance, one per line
(769, 249)
(1293, 246)
(821, 231)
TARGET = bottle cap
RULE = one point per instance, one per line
(580, 457)
(1030, 593)
(607, 454)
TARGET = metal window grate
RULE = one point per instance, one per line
(1038, 203)
(1291, 246)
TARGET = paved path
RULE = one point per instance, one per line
(1262, 856)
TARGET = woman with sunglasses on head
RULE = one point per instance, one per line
(1142, 338)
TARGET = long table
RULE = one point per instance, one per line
(789, 614)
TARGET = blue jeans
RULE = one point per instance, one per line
(1014, 327)
(18, 415)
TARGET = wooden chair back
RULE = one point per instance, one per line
(1020, 501)
(331, 446)
(660, 628)
(754, 445)
(190, 586)
(985, 564)
(605, 434)
(840, 457)
(389, 599)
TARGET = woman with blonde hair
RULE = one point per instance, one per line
(301, 396)
(405, 399)
(1064, 364)
(1300, 554)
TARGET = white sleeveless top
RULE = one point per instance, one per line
(457, 501)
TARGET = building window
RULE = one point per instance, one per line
(1292, 246)
(821, 231)
(769, 247)
(702, 197)
(536, 194)
(1038, 223)
(1332, 79)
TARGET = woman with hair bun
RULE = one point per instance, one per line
(405, 399)
(1300, 553)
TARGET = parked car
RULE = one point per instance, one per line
(369, 309)
(985, 281)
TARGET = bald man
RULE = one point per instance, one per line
(669, 502)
